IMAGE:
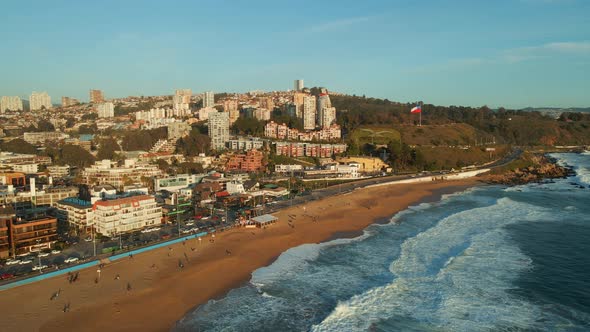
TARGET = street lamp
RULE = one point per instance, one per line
(39, 254)
(93, 239)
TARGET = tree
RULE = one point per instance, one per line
(88, 129)
(143, 139)
(108, 149)
(74, 155)
(248, 126)
(193, 144)
(190, 168)
(18, 146)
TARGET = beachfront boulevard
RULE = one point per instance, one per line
(81, 250)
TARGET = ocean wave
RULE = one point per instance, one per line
(294, 260)
(580, 163)
(456, 275)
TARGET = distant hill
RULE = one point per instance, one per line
(547, 109)
(556, 112)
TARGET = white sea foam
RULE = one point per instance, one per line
(455, 275)
(295, 260)
(579, 162)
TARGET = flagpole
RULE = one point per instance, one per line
(420, 125)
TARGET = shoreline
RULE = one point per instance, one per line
(161, 296)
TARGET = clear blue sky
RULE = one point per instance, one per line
(511, 53)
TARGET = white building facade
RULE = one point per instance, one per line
(126, 214)
(38, 100)
(11, 103)
(106, 110)
(218, 129)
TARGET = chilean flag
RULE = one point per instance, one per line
(417, 109)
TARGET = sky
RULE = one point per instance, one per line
(510, 53)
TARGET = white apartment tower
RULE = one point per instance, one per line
(11, 103)
(39, 100)
(106, 110)
(208, 99)
(309, 112)
(326, 114)
(298, 86)
(218, 129)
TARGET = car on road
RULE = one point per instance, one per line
(43, 254)
(71, 260)
(190, 223)
(205, 218)
(88, 239)
(39, 267)
(12, 262)
(5, 276)
(185, 231)
(55, 252)
(26, 261)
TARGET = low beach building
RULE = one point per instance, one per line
(32, 235)
(77, 213)
(126, 214)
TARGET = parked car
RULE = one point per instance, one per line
(43, 254)
(12, 262)
(190, 223)
(71, 260)
(39, 267)
(27, 261)
(88, 239)
(5, 276)
(55, 251)
(185, 231)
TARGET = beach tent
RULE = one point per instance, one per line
(264, 220)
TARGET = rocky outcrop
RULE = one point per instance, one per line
(542, 168)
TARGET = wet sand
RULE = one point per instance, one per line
(162, 294)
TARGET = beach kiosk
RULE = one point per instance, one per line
(264, 220)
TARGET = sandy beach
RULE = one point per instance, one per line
(153, 291)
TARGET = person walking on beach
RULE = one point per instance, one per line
(128, 287)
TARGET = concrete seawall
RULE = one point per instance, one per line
(430, 178)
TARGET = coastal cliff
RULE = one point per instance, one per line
(529, 168)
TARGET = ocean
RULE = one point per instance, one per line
(491, 258)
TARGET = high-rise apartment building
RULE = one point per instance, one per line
(309, 112)
(11, 103)
(106, 110)
(182, 99)
(262, 114)
(184, 94)
(218, 129)
(208, 99)
(298, 98)
(39, 100)
(324, 110)
(231, 106)
(96, 96)
(67, 101)
(327, 116)
(298, 85)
